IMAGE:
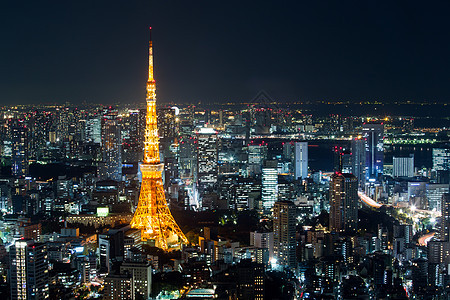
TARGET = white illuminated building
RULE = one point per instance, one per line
(301, 160)
(269, 188)
(207, 156)
(29, 270)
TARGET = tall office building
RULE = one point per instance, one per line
(342, 160)
(118, 287)
(269, 193)
(29, 270)
(256, 156)
(441, 164)
(132, 148)
(417, 194)
(403, 166)
(434, 194)
(359, 161)
(93, 130)
(207, 156)
(141, 275)
(445, 219)
(373, 136)
(19, 148)
(441, 159)
(167, 122)
(301, 160)
(250, 280)
(111, 166)
(343, 203)
(284, 244)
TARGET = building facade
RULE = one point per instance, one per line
(343, 203)
(29, 270)
(284, 233)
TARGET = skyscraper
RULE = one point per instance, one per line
(19, 148)
(284, 244)
(269, 188)
(301, 160)
(359, 161)
(111, 166)
(93, 130)
(441, 164)
(445, 219)
(342, 160)
(207, 155)
(152, 215)
(29, 270)
(441, 159)
(373, 135)
(343, 203)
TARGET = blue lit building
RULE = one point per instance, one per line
(373, 137)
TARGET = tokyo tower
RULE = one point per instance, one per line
(152, 215)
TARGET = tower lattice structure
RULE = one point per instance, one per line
(152, 215)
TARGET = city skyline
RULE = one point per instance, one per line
(295, 51)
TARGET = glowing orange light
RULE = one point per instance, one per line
(152, 215)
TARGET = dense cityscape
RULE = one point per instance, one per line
(266, 197)
(271, 202)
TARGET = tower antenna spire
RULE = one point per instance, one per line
(150, 68)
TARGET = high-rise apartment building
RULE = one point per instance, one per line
(301, 160)
(373, 136)
(111, 166)
(284, 244)
(29, 270)
(343, 203)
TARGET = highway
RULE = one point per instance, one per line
(424, 239)
(370, 202)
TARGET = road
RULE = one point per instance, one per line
(424, 239)
(370, 202)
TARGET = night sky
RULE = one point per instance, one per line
(210, 51)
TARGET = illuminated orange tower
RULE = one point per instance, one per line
(152, 215)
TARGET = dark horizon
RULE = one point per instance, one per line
(216, 52)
